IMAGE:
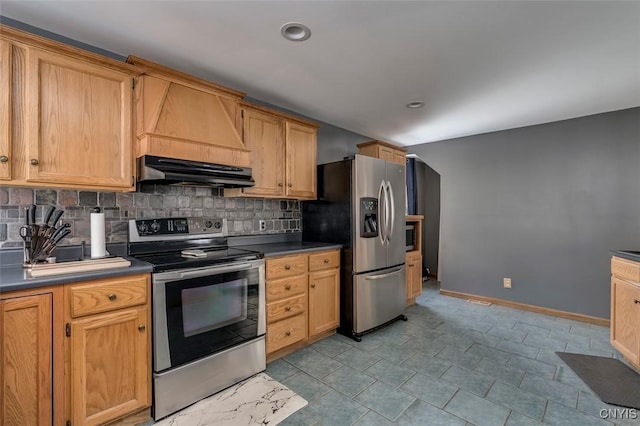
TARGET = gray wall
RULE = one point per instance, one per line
(542, 205)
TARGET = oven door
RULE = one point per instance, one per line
(199, 312)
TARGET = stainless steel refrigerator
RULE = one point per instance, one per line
(361, 205)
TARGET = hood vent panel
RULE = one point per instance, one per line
(169, 171)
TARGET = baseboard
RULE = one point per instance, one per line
(533, 308)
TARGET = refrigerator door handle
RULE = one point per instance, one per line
(379, 277)
(392, 201)
(382, 208)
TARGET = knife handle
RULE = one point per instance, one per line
(47, 215)
(56, 217)
(32, 214)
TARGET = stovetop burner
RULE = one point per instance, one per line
(176, 260)
(182, 243)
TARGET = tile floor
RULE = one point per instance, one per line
(452, 363)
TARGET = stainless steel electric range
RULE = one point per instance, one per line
(208, 308)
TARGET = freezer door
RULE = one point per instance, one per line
(369, 174)
(378, 297)
(396, 195)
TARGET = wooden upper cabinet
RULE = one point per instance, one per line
(182, 116)
(300, 150)
(26, 360)
(66, 115)
(283, 154)
(79, 122)
(5, 110)
(263, 135)
(383, 150)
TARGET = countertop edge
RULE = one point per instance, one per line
(624, 255)
(12, 278)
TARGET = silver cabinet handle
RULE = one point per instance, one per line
(379, 277)
(3, 158)
(201, 272)
(34, 162)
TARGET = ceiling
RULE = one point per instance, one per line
(478, 66)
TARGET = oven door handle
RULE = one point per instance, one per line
(200, 272)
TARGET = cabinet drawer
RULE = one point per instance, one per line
(625, 269)
(286, 266)
(286, 308)
(107, 295)
(324, 260)
(286, 287)
(286, 332)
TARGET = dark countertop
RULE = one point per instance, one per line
(15, 277)
(627, 254)
(291, 247)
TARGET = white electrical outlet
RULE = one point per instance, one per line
(506, 282)
(263, 225)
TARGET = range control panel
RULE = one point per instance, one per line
(180, 226)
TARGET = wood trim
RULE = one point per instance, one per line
(532, 308)
(154, 68)
(20, 36)
(383, 143)
(413, 217)
(278, 114)
(135, 419)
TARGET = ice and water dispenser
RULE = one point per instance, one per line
(368, 217)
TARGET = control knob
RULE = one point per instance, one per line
(143, 227)
(208, 224)
(155, 226)
(217, 224)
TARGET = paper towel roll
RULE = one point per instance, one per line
(98, 246)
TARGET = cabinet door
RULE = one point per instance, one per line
(625, 317)
(110, 366)
(78, 122)
(399, 157)
(416, 279)
(324, 294)
(300, 152)
(26, 360)
(263, 135)
(5, 109)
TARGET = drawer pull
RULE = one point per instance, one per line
(34, 162)
(288, 333)
(112, 296)
(636, 301)
(287, 267)
(326, 261)
(313, 286)
(288, 308)
(141, 328)
(4, 159)
(287, 287)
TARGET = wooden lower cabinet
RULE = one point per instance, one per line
(26, 339)
(414, 276)
(625, 309)
(324, 300)
(109, 369)
(302, 298)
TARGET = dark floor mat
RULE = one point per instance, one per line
(613, 381)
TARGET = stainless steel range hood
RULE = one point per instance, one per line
(152, 169)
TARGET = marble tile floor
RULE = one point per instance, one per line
(452, 363)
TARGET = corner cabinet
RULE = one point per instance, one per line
(283, 154)
(302, 299)
(625, 308)
(26, 374)
(70, 115)
(108, 348)
(384, 150)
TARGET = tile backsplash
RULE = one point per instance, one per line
(151, 201)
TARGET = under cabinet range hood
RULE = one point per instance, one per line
(170, 171)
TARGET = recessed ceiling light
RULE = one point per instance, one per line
(415, 105)
(295, 31)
